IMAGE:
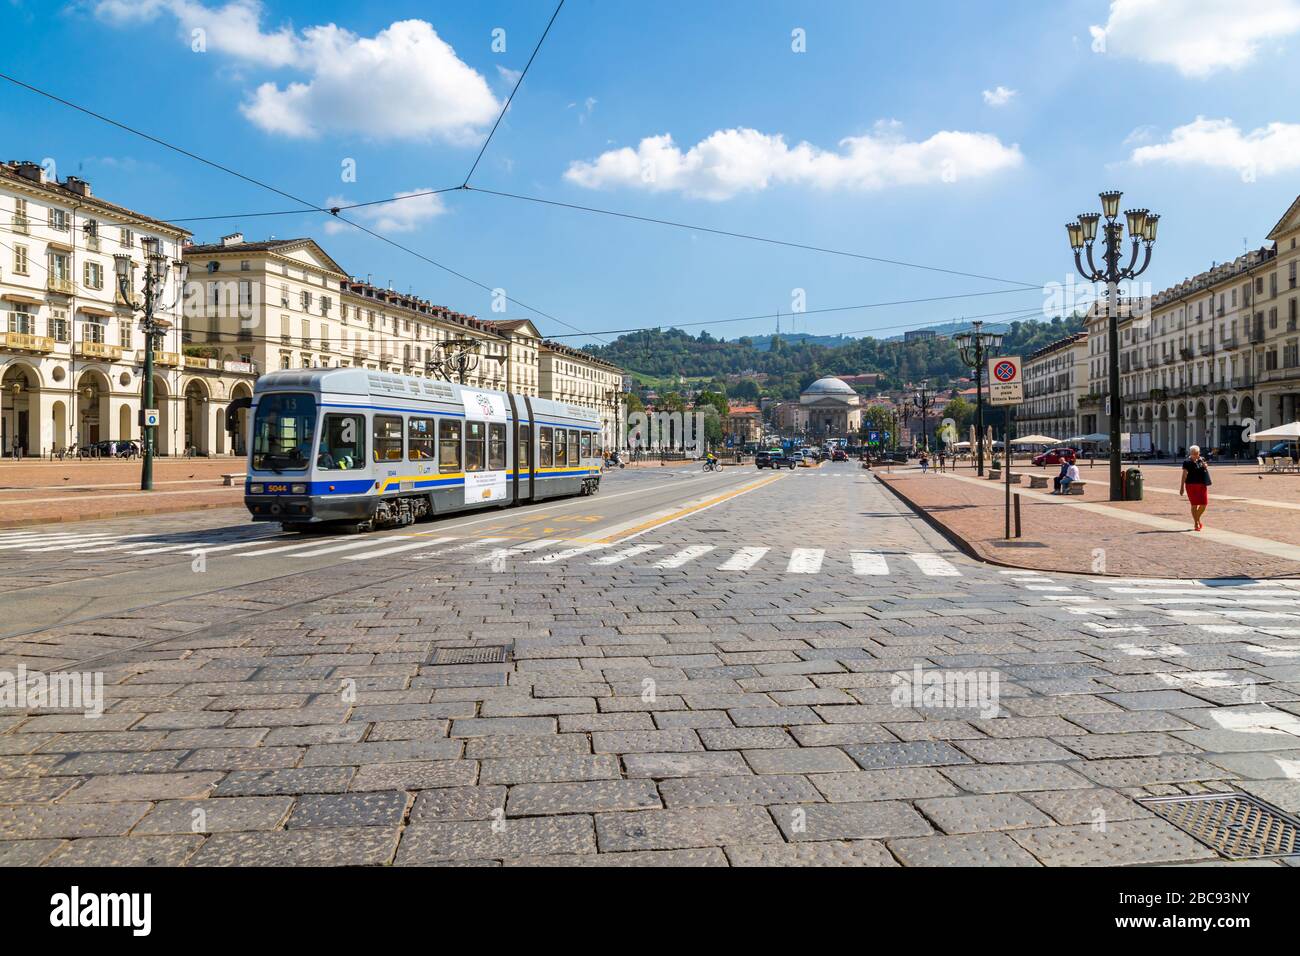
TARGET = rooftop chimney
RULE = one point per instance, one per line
(33, 171)
(234, 239)
(78, 186)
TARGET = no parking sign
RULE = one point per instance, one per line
(1005, 384)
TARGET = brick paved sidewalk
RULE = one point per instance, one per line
(1091, 535)
(42, 492)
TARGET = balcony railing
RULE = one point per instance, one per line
(99, 350)
(24, 342)
(22, 225)
(1228, 342)
(92, 244)
(163, 358)
(198, 361)
(59, 284)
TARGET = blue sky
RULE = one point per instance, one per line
(954, 134)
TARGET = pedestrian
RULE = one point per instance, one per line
(942, 456)
(925, 463)
(1061, 476)
(1196, 483)
(18, 449)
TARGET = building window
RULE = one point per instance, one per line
(21, 266)
(93, 275)
(20, 215)
(93, 332)
(59, 325)
(124, 333)
(58, 220)
(21, 321)
(126, 239)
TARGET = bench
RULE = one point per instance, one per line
(229, 480)
(1076, 487)
(1037, 481)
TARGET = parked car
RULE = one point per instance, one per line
(1055, 456)
(773, 458)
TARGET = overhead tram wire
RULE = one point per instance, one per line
(298, 199)
(506, 106)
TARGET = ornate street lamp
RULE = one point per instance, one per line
(1142, 225)
(157, 270)
(16, 388)
(923, 400)
(975, 347)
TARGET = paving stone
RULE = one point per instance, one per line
(504, 726)
(1026, 727)
(919, 753)
(256, 783)
(904, 783)
(745, 738)
(589, 796)
(33, 821)
(553, 746)
(969, 850)
(1013, 778)
(1127, 722)
(1143, 771)
(1094, 746)
(819, 822)
(644, 741)
(214, 815)
(719, 763)
(130, 851)
(35, 789)
(430, 842)
(1086, 806)
(997, 811)
(371, 809)
(348, 846)
(680, 828)
(702, 856)
(751, 790)
(1155, 700)
(559, 769)
(799, 760)
(459, 803)
(1013, 750)
(144, 786)
(417, 775)
(830, 853)
(393, 751)
(1122, 843)
(26, 852)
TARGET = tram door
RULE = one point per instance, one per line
(521, 472)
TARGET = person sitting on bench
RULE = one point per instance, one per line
(1069, 474)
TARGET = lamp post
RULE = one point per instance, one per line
(1083, 232)
(904, 417)
(923, 400)
(975, 347)
(157, 269)
(16, 388)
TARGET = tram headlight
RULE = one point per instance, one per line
(299, 489)
(256, 489)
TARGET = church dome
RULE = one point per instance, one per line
(829, 389)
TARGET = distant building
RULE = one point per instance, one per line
(828, 408)
(920, 335)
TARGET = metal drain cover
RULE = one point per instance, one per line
(485, 654)
(1236, 825)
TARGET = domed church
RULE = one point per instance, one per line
(829, 408)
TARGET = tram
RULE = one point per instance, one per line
(377, 449)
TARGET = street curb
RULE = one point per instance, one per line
(966, 548)
(109, 515)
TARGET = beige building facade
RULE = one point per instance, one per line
(71, 351)
(1055, 379)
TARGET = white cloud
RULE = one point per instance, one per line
(1196, 37)
(732, 161)
(510, 76)
(1000, 96)
(407, 215)
(405, 82)
(1220, 143)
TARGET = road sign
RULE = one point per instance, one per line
(149, 417)
(1005, 384)
(873, 437)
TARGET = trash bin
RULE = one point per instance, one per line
(1133, 484)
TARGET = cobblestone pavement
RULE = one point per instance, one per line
(710, 688)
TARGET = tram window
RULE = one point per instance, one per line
(524, 458)
(561, 449)
(448, 446)
(342, 443)
(544, 447)
(496, 447)
(388, 438)
(419, 438)
(586, 444)
(573, 448)
(475, 445)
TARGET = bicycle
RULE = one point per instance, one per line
(712, 464)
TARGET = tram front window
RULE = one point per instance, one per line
(282, 432)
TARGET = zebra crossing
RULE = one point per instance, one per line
(497, 553)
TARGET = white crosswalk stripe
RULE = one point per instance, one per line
(504, 554)
(335, 548)
(684, 556)
(868, 562)
(623, 555)
(805, 561)
(568, 553)
(397, 549)
(744, 559)
(933, 565)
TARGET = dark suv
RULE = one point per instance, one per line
(773, 458)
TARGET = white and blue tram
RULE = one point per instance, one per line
(377, 449)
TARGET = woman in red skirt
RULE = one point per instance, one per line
(1196, 482)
